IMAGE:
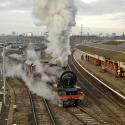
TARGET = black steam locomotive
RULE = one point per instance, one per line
(69, 94)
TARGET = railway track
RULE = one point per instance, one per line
(12, 99)
(112, 112)
(97, 115)
(34, 111)
(38, 111)
(108, 99)
(85, 117)
(41, 111)
(22, 113)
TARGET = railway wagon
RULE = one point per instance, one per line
(28, 66)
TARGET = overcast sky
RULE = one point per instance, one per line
(97, 16)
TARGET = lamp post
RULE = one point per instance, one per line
(4, 77)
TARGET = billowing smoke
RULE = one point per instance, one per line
(34, 58)
(36, 86)
(31, 54)
(59, 17)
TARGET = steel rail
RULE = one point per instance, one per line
(50, 112)
(33, 108)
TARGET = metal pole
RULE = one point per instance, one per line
(4, 78)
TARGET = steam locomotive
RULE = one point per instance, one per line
(69, 93)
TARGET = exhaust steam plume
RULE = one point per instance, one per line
(40, 86)
(59, 18)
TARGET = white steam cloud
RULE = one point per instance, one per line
(59, 17)
(40, 86)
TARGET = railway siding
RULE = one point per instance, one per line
(11, 111)
(30, 108)
(42, 111)
(22, 113)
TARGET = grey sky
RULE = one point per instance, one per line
(96, 15)
(15, 5)
(100, 7)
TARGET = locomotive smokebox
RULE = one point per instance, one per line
(65, 78)
(68, 79)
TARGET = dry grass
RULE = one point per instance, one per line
(117, 56)
(114, 42)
